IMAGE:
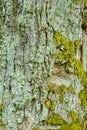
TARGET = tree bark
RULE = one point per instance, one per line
(27, 49)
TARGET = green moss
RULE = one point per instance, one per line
(48, 129)
(77, 44)
(61, 97)
(66, 127)
(53, 87)
(1, 107)
(73, 116)
(83, 97)
(1, 122)
(49, 104)
(77, 126)
(60, 90)
(84, 25)
(63, 89)
(85, 125)
(55, 119)
(36, 128)
(67, 55)
(85, 3)
(85, 19)
(78, 1)
(52, 105)
(67, 49)
(1, 110)
(71, 89)
(71, 6)
(43, 28)
(72, 126)
(60, 40)
(79, 71)
(0, 31)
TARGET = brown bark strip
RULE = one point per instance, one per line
(15, 8)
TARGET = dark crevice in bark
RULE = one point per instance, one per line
(40, 16)
(46, 34)
(21, 45)
(81, 53)
(23, 42)
(23, 57)
(46, 31)
(41, 104)
(24, 113)
(29, 44)
(14, 60)
(16, 29)
(4, 78)
(22, 7)
(4, 15)
(0, 8)
(15, 13)
(41, 11)
(0, 15)
(10, 80)
(6, 62)
(37, 26)
(15, 51)
(46, 9)
(50, 4)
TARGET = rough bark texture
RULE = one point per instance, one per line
(28, 63)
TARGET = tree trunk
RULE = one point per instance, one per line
(27, 60)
